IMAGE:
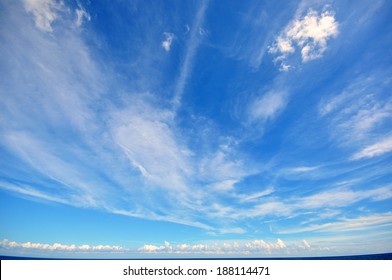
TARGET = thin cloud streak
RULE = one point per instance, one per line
(377, 149)
(345, 225)
(191, 49)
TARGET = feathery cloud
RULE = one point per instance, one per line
(44, 11)
(191, 48)
(81, 14)
(166, 44)
(379, 148)
(268, 106)
(347, 224)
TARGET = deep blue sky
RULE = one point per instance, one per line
(195, 128)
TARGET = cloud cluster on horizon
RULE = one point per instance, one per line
(250, 247)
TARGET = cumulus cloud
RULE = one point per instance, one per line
(309, 34)
(225, 247)
(44, 11)
(167, 43)
(59, 247)
(379, 148)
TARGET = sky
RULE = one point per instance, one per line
(145, 129)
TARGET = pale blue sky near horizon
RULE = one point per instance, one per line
(195, 128)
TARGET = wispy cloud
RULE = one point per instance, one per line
(309, 33)
(191, 48)
(302, 169)
(166, 44)
(332, 199)
(342, 197)
(147, 137)
(255, 196)
(348, 224)
(74, 131)
(44, 11)
(360, 112)
(268, 106)
(81, 14)
(381, 147)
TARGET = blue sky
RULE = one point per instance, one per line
(195, 128)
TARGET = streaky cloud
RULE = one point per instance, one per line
(191, 49)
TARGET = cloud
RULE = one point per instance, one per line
(342, 197)
(361, 111)
(242, 247)
(302, 169)
(310, 34)
(268, 106)
(191, 48)
(31, 192)
(263, 209)
(219, 248)
(381, 147)
(347, 224)
(148, 139)
(222, 167)
(223, 186)
(255, 196)
(294, 206)
(6, 244)
(169, 39)
(81, 14)
(44, 11)
(261, 244)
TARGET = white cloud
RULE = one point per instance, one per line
(167, 43)
(310, 34)
(261, 244)
(222, 167)
(268, 105)
(342, 197)
(81, 14)
(59, 247)
(191, 48)
(272, 208)
(234, 230)
(223, 247)
(306, 244)
(223, 186)
(148, 139)
(381, 147)
(330, 200)
(347, 224)
(44, 11)
(31, 192)
(302, 169)
(360, 112)
(254, 196)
